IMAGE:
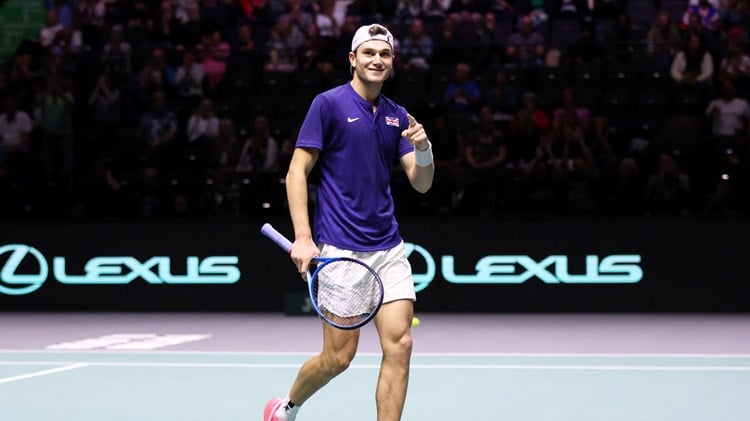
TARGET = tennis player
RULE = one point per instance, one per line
(355, 135)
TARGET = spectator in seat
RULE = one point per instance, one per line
(55, 116)
(450, 159)
(298, 18)
(191, 26)
(225, 192)
(105, 110)
(449, 43)
(587, 48)
(116, 56)
(735, 66)
(156, 74)
(343, 42)
(64, 10)
(314, 53)
(580, 170)
(530, 111)
(408, 10)
(281, 48)
(226, 152)
(325, 19)
(542, 184)
(693, 69)
(90, 18)
(736, 17)
(157, 130)
(668, 190)
(16, 128)
(525, 41)
(709, 39)
(663, 39)
(260, 151)
(167, 28)
(462, 95)
(628, 194)
(709, 15)
(416, 49)
(189, 79)
(502, 97)
(51, 28)
(729, 116)
(24, 73)
(202, 132)
(489, 41)
(436, 10)
(216, 61)
(601, 143)
(570, 105)
(485, 156)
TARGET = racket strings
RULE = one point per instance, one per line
(347, 290)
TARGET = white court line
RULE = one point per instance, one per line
(43, 373)
(377, 354)
(377, 366)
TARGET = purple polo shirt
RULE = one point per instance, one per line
(358, 149)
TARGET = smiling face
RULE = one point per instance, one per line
(372, 61)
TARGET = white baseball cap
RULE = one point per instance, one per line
(371, 32)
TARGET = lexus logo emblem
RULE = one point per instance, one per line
(14, 283)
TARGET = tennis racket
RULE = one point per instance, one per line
(345, 292)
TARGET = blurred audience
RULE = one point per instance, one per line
(176, 108)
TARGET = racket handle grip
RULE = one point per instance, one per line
(277, 237)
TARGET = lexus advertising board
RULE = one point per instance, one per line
(644, 265)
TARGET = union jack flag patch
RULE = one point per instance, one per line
(392, 121)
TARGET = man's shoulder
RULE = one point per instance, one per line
(335, 93)
(388, 102)
(330, 99)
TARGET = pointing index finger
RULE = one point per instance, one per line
(412, 121)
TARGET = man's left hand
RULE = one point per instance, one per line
(415, 134)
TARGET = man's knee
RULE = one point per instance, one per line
(336, 363)
(399, 346)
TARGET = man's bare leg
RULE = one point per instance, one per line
(393, 322)
(339, 348)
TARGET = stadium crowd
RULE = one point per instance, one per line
(162, 108)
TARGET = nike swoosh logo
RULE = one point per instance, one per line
(352, 120)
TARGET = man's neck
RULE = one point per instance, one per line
(368, 91)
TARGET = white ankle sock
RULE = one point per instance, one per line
(291, 411)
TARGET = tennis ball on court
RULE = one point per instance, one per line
(414, 321)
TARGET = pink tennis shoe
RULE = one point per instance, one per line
(274, 411)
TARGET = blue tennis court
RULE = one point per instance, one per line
(224, 367)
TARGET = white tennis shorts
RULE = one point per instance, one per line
(391, 265)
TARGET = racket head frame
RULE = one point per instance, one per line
(321, 262)
(269, 231)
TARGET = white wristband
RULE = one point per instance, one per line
(423, 157)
